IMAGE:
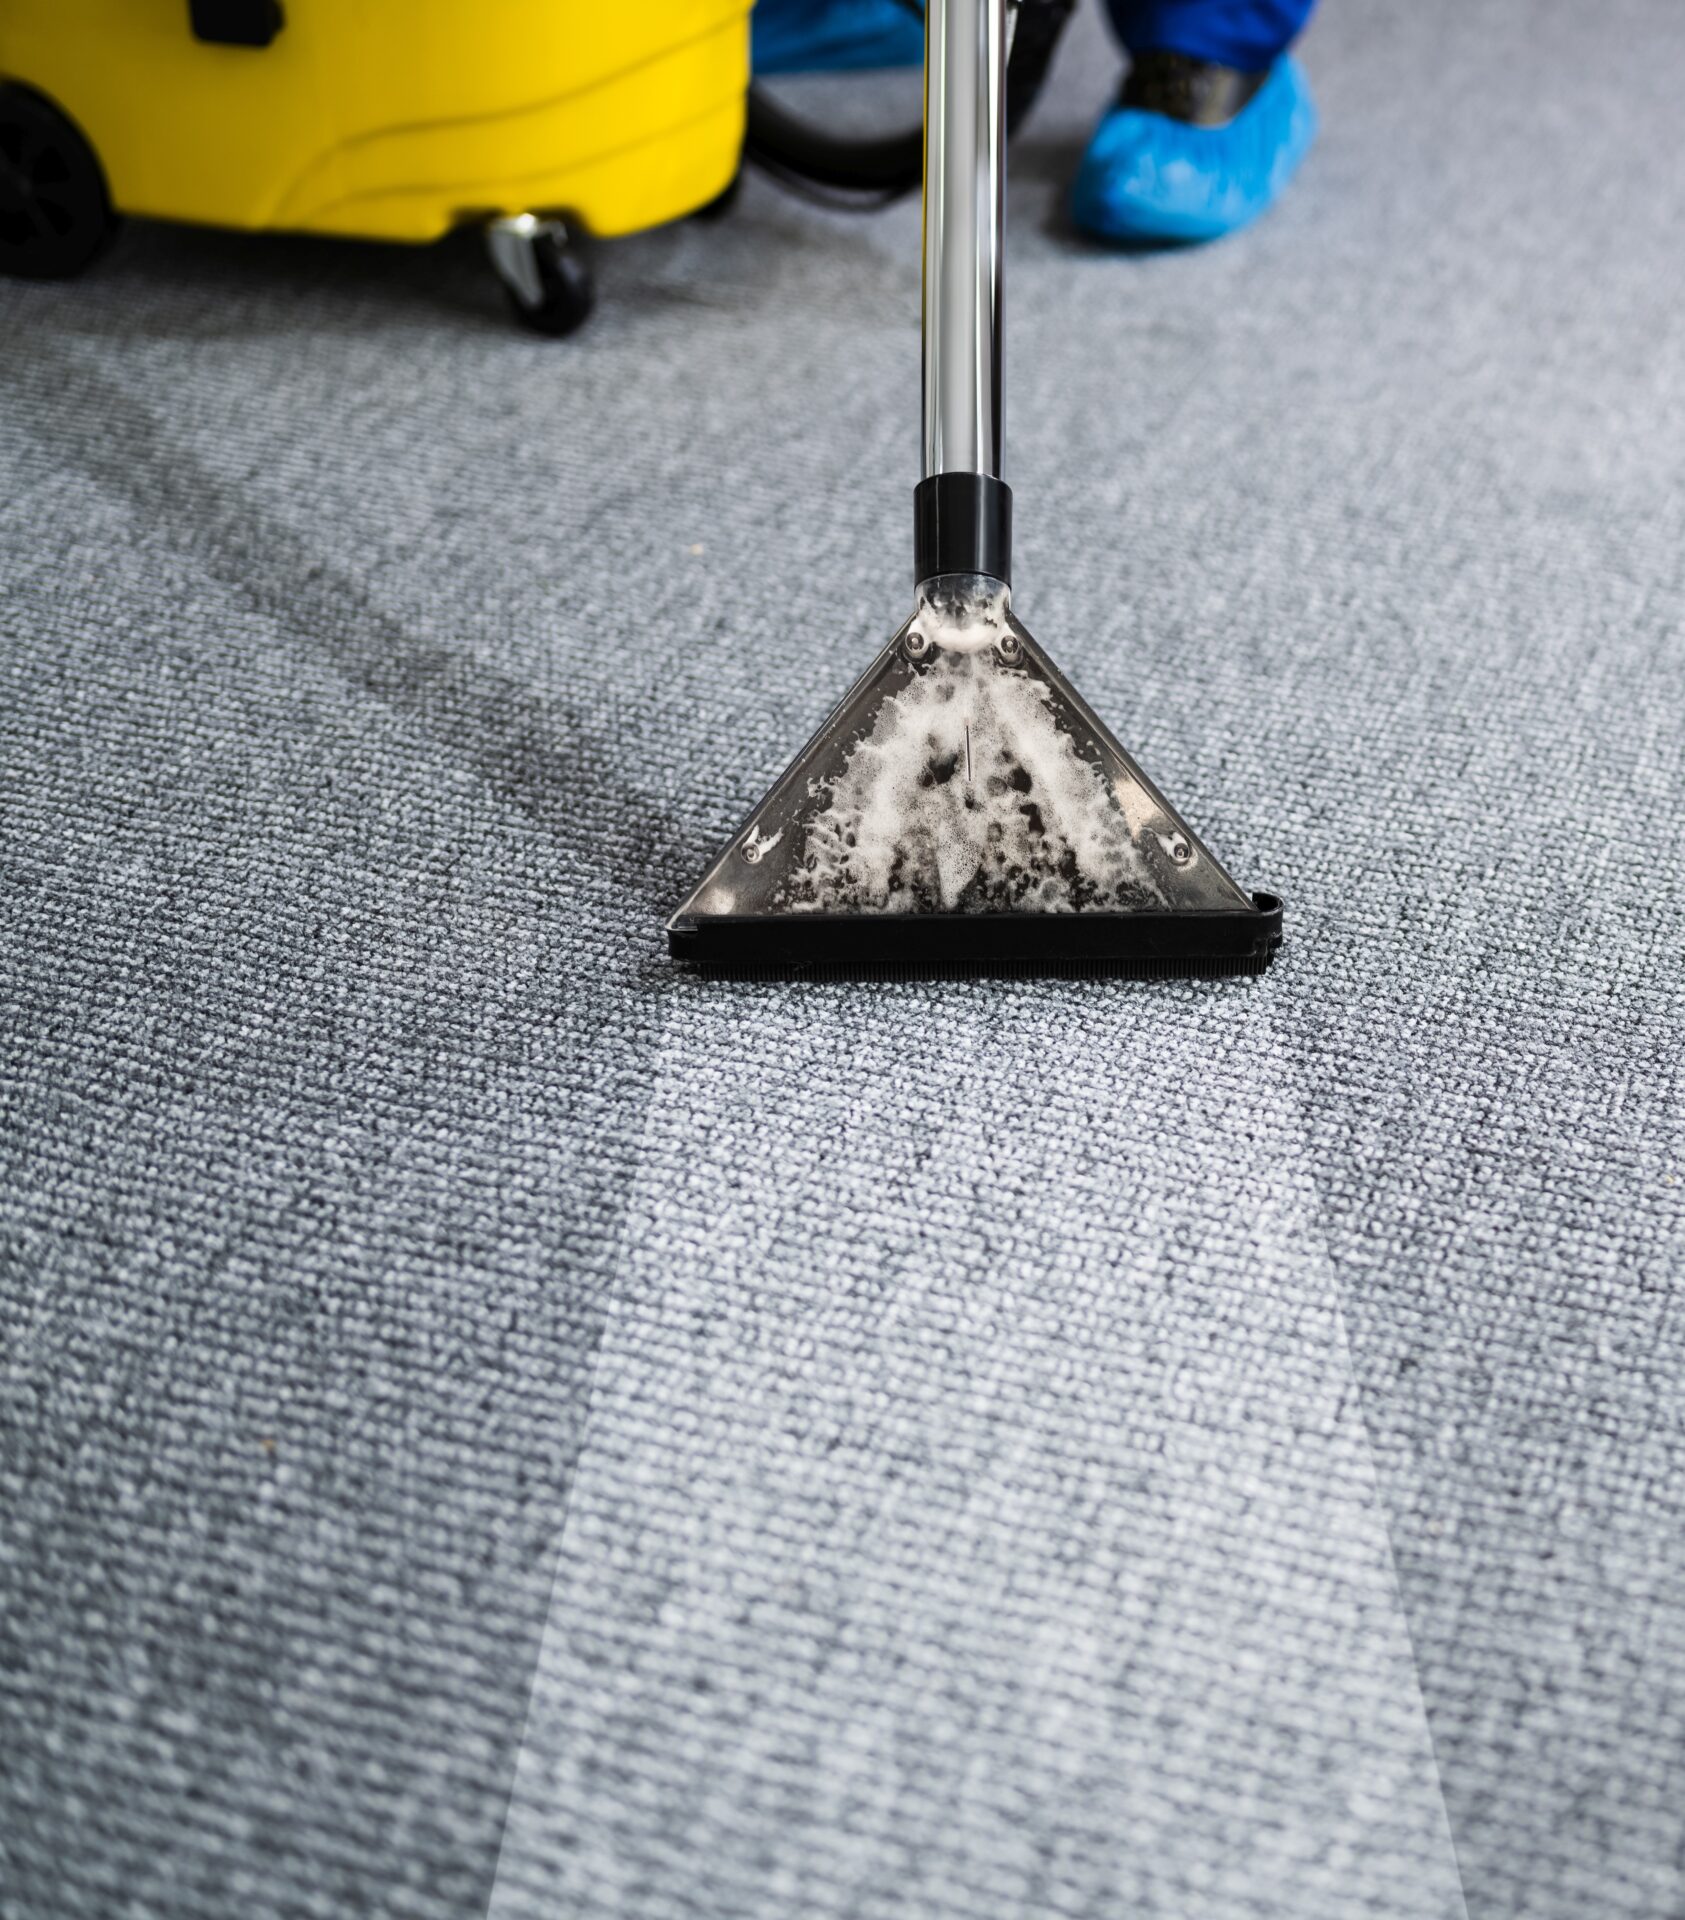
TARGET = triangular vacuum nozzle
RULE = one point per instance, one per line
(964, 808)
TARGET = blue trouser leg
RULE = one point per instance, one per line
(1247, 34)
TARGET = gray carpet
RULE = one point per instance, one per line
(490, 1424)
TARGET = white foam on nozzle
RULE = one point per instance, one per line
(967, 794)
(963, 623)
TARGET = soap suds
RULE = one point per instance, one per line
(967, 796)
(961, 619)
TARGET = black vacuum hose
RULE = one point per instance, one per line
(883, 167)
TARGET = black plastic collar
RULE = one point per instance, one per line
(962, 523)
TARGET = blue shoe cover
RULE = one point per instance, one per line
(1149, 178)
(835, 36)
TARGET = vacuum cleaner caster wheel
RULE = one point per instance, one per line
(545, 272)
(55, 215)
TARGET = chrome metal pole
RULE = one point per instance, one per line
(964, 233)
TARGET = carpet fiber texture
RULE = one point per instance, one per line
(490, 1424)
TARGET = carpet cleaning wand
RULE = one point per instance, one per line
(964, 808)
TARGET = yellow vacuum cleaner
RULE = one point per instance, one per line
(542, 121)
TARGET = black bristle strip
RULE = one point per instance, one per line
(1247, 966)
(1227, 944)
